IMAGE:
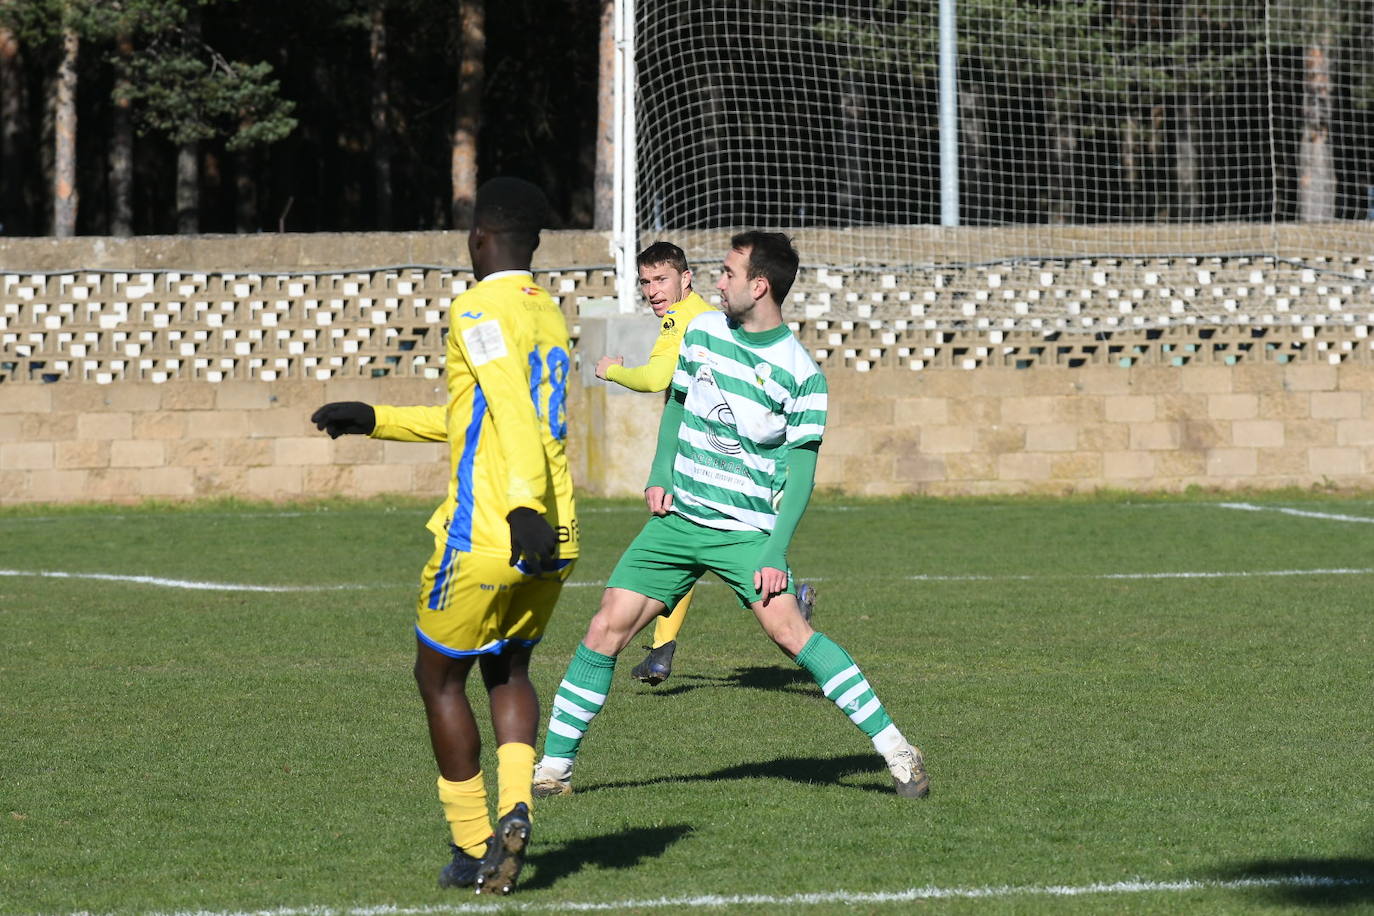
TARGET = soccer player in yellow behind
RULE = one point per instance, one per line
(506, 536)
(666, 282)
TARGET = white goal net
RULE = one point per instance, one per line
(1102, 128)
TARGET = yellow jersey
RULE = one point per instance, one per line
(507, 366)
(658, 371)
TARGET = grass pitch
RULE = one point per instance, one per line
(1143, 705)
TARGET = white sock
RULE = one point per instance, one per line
(889, 741)
(555, 767)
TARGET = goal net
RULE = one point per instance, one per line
(1083, 128)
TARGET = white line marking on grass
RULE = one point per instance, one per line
(1154, 575)
(191, 514)
(1301, 513)
(195, 585)
(798, 900)
(179, 583)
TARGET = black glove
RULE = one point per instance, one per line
(343, 417)
(531, 536)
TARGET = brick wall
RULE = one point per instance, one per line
(892, 431)
(1079, 430)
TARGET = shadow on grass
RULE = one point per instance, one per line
(804, 770)
(625, 849)
(1333, 882)
(783, 677)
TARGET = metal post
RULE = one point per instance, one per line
(949, 115)
(625, 234)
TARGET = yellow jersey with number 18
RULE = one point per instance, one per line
(507, 365)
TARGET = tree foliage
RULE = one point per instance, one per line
(191, 92)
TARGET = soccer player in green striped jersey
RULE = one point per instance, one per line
(732, 475)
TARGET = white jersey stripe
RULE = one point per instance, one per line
(736, 519)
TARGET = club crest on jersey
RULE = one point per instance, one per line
(722, 416)
(761, 373)
(669, 324)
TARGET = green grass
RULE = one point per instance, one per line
(173, 750)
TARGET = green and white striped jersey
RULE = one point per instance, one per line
(749, 398)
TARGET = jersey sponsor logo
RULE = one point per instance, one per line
(485, 342)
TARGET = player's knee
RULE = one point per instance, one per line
(602, 633)
(789, 635)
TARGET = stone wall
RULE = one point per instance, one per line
(892, 431)
(184, 368)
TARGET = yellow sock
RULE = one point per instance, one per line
(465, 808)
(514, 772)
(666, 629)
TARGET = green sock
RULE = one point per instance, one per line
(842, 681)
(579, 698)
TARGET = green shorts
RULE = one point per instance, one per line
(671, 553)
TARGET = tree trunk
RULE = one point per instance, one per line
(1061, 195)
(64, 198)
(463, 169)
(247, 162)
(188, 157)
(978, 180)
(605, 120)
(188, 188)
(381, 130)
(122, 149)
(851, 194)
(1316, 166)
(13, 217)
(1130, 166)
(1187, 206)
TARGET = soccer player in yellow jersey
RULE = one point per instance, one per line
(505, 538)
(666, 282)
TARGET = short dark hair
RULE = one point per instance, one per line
(511, 207)
(771, 256)
(663, 253)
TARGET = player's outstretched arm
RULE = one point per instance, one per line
(344, 418)
(652, 376)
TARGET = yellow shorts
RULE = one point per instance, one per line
(474, 604)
